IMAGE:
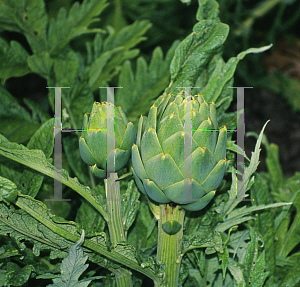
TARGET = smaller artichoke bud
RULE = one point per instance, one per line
(93, 140)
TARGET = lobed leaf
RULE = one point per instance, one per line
(66, 27)
(16, 123)
(13, 60)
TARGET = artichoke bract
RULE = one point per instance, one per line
(158, 155)
(93, 140)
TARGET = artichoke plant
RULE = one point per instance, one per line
(158, 156)
(93, 141)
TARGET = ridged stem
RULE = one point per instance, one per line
(115, 225)
(169, 246)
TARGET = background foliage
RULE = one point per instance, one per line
(132, 44)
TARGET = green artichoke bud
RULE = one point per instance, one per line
(93, 140)
(158, 156)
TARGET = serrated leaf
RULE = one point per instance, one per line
(264, 223)
(37, 160)
(43, 139)
(127, 37)
(234, 147)
(195, 51)
(199, 240)
(71, 148)
(66, 68)
(7, 15)
(13, 60)
(116, 49)
(96, 70)
(17, 276)
(130, 205)
(143, 225)
(287, 232)
(240, 215)
(21, 226)
(72, 267)
(221, 76)
(208, 10)
(140, 88)
(250, 256)
(16, 123)
(40, 64)
(27, 17)
(258, 274)
(236, 272)
(88, 218)
(224, 257)
(127, 250)
(65, 27)
(38, 112)
(292, 278)
(234, 194)
(8, 190)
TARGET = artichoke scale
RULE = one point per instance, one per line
(215, 177)
(129, 136)
(96, 141)
(200, 204)
(179, 195)
(170, 125)
(137, 163)
(85, 152)
(220, 150)
(154, 192)
(150, 146)
(163, 170)
(205, 136)
(138, 182)
(100, 173)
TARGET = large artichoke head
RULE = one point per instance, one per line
(93, 140)
(158, 157)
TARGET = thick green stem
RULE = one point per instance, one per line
(115, 225)
(169, 246)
